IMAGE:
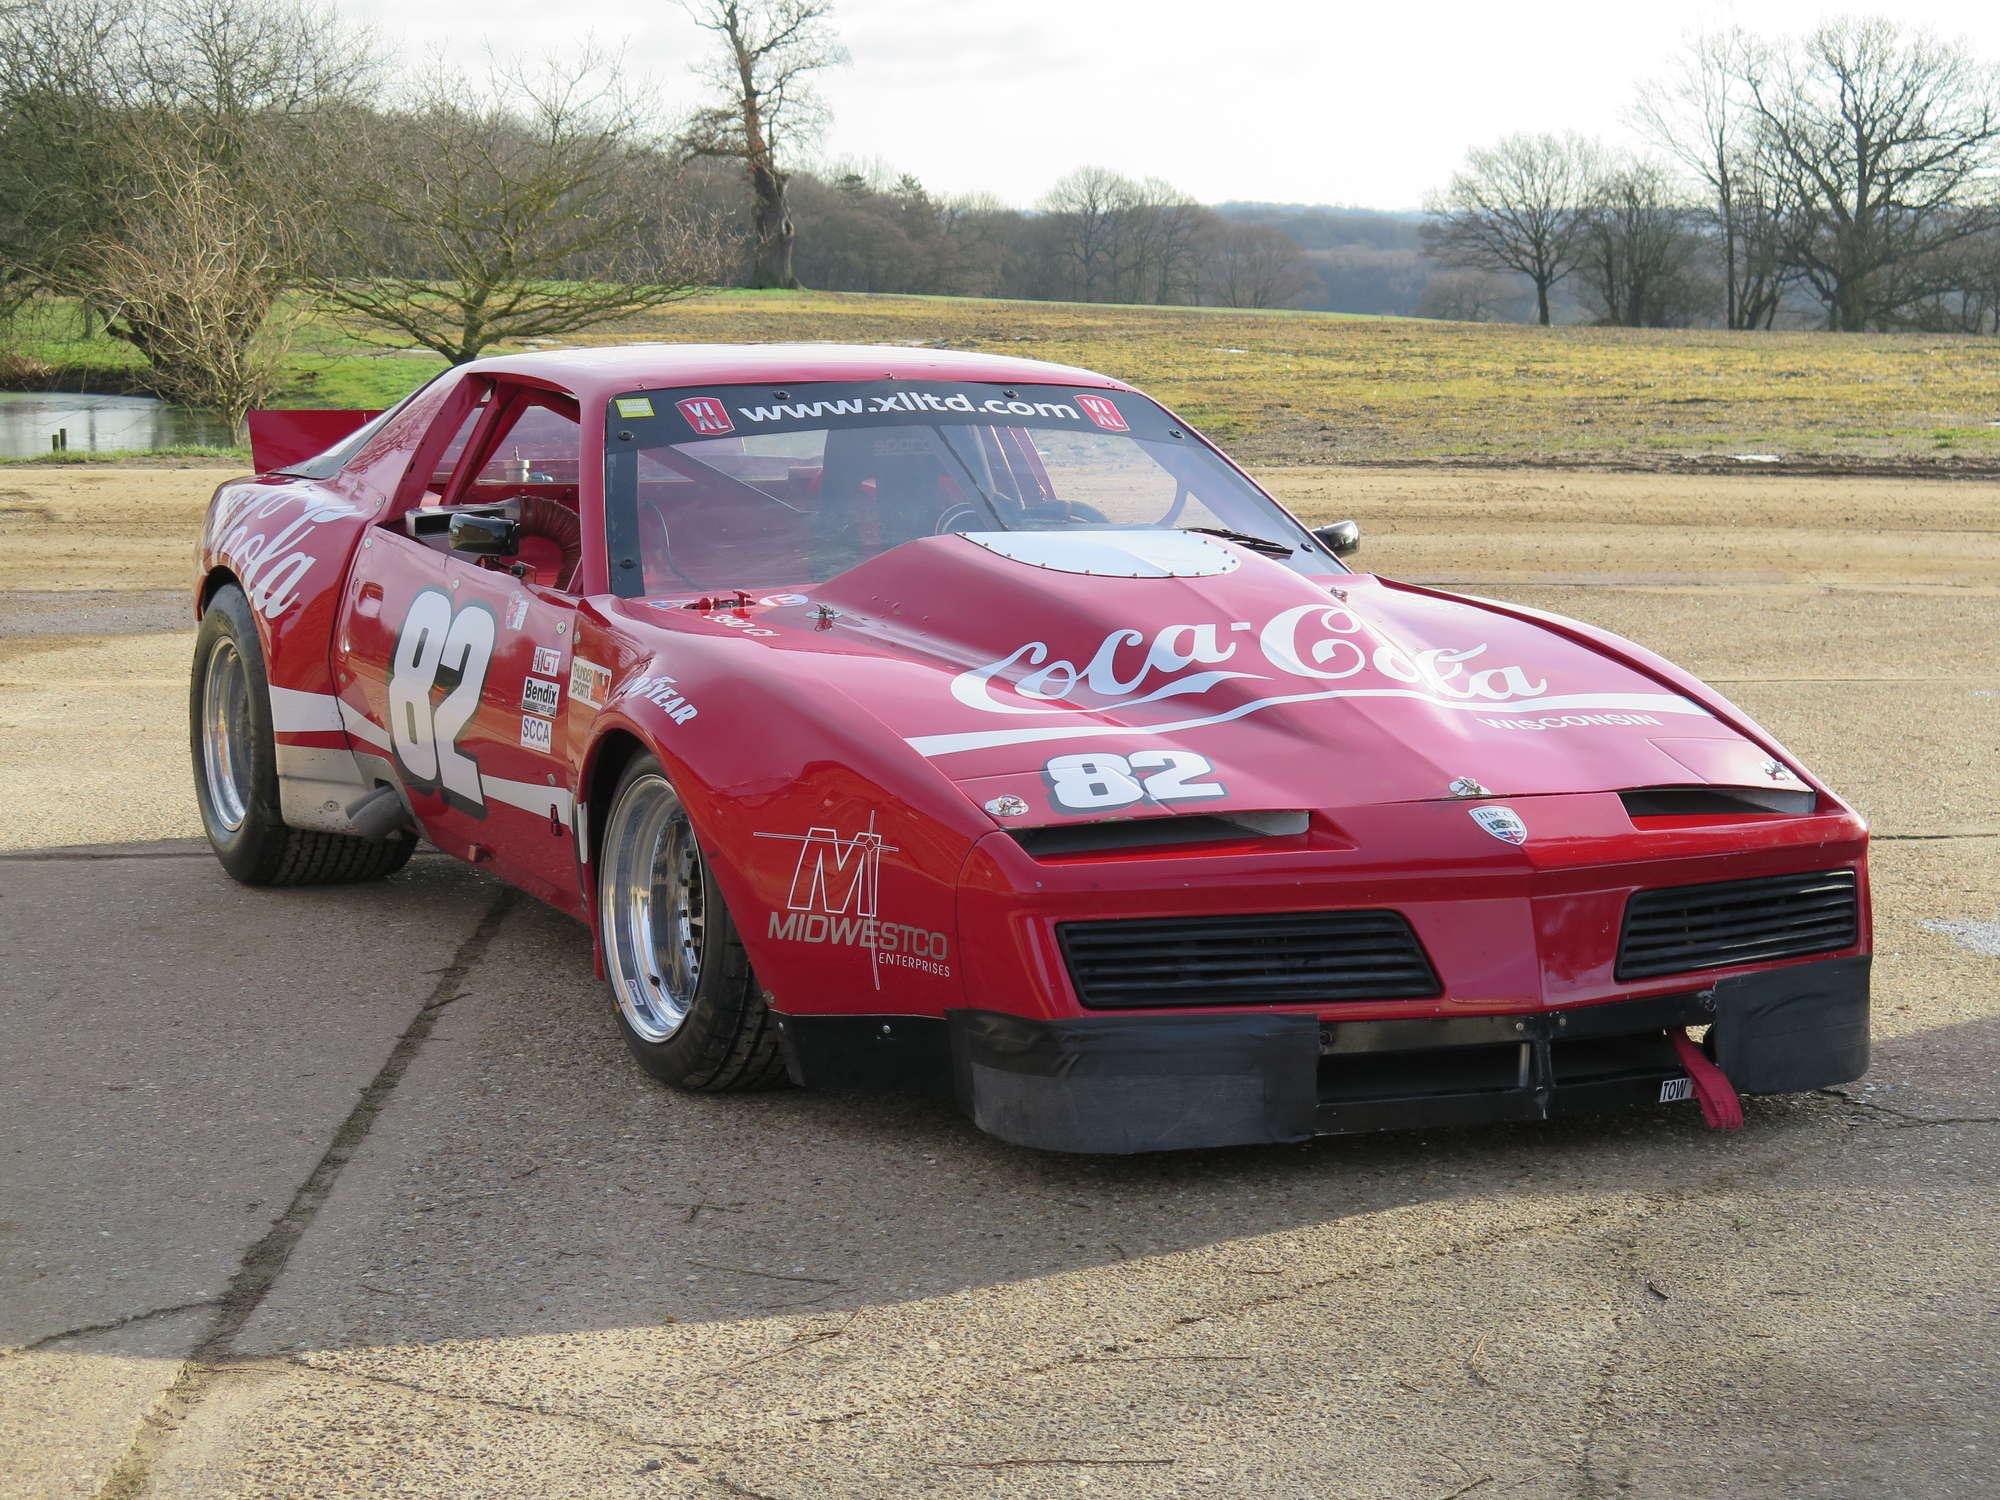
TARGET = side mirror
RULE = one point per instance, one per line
(1341, 538)
(485, 536)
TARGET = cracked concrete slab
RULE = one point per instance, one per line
(178, 1053)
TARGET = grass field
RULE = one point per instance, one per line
(1293, 388)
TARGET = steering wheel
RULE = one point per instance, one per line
(1074, 512)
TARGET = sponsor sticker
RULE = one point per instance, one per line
(1101, 411)
(588, 683)
(706, 415)
(661, 693)
(634, 406)
(1503, 823)
(517, 612)
(548, 661)
(539, 695)
(537, 734)
(835, 901)
(1674, 1090)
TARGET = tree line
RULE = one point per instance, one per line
(193, 173)
(1854, 170)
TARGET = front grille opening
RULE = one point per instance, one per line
(1717, 801)
(1612, 1059)
(1281, 958)
(1690, 927)
(1117, 835)
(1365, 1077)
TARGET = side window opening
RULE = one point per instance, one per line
(441, 471)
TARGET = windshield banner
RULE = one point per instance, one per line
(738, 411)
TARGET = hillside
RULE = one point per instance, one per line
(1293, 388)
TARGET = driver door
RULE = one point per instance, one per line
(458, 664)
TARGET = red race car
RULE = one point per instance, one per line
(900, 718)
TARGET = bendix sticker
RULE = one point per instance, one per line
(540, 696)
(548, 661)
(537, 734)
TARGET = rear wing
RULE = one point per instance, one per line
(281, 440)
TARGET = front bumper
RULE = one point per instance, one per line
(1161, 1083)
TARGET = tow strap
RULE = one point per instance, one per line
(1719, 1105)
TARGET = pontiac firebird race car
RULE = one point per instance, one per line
(901, 718)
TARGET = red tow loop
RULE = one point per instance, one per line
(1719, 1105)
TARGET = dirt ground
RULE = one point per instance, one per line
(355, 1191)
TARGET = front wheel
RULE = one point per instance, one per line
(687, 1002)
(236, 767)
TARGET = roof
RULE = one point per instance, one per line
(603, 372)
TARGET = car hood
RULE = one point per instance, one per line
(994, 656)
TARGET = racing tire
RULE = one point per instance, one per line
(687, 1004)
(236, 767)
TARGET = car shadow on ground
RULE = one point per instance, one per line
(529, 1180)
(522, 1178)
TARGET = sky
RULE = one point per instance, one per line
(1276, 100)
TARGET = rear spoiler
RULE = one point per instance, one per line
(280, 440)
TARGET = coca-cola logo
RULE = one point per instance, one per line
(1312, 643)
(272, 560)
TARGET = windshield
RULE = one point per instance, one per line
(754, 488)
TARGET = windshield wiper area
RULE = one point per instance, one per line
(1248, 539)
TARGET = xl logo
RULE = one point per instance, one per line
(706, 415)
(1100, 410)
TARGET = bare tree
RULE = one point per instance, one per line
(1082, 212)
(188, 277)
(1702, 115)
(1252, 265)
(1968, 277)
(1886, 141)
(130, 121)
(769, 51)
(1639, 250)
(530, 207)
(1518, 206)
(1159, 261)
(57, 77)
(1462, 296)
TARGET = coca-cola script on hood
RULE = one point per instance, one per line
(1298, 695)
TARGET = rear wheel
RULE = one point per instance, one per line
(687, 1003)
(236, 767)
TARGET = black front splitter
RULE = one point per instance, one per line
(1153, 1082)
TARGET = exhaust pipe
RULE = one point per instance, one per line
(380, 815)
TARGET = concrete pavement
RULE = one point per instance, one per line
(355, 1192)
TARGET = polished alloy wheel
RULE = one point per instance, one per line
(651, 906)
(226, 735)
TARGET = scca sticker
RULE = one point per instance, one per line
(706, 415)
(537, 734)
(1100, 410)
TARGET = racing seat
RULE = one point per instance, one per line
(551, 541)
